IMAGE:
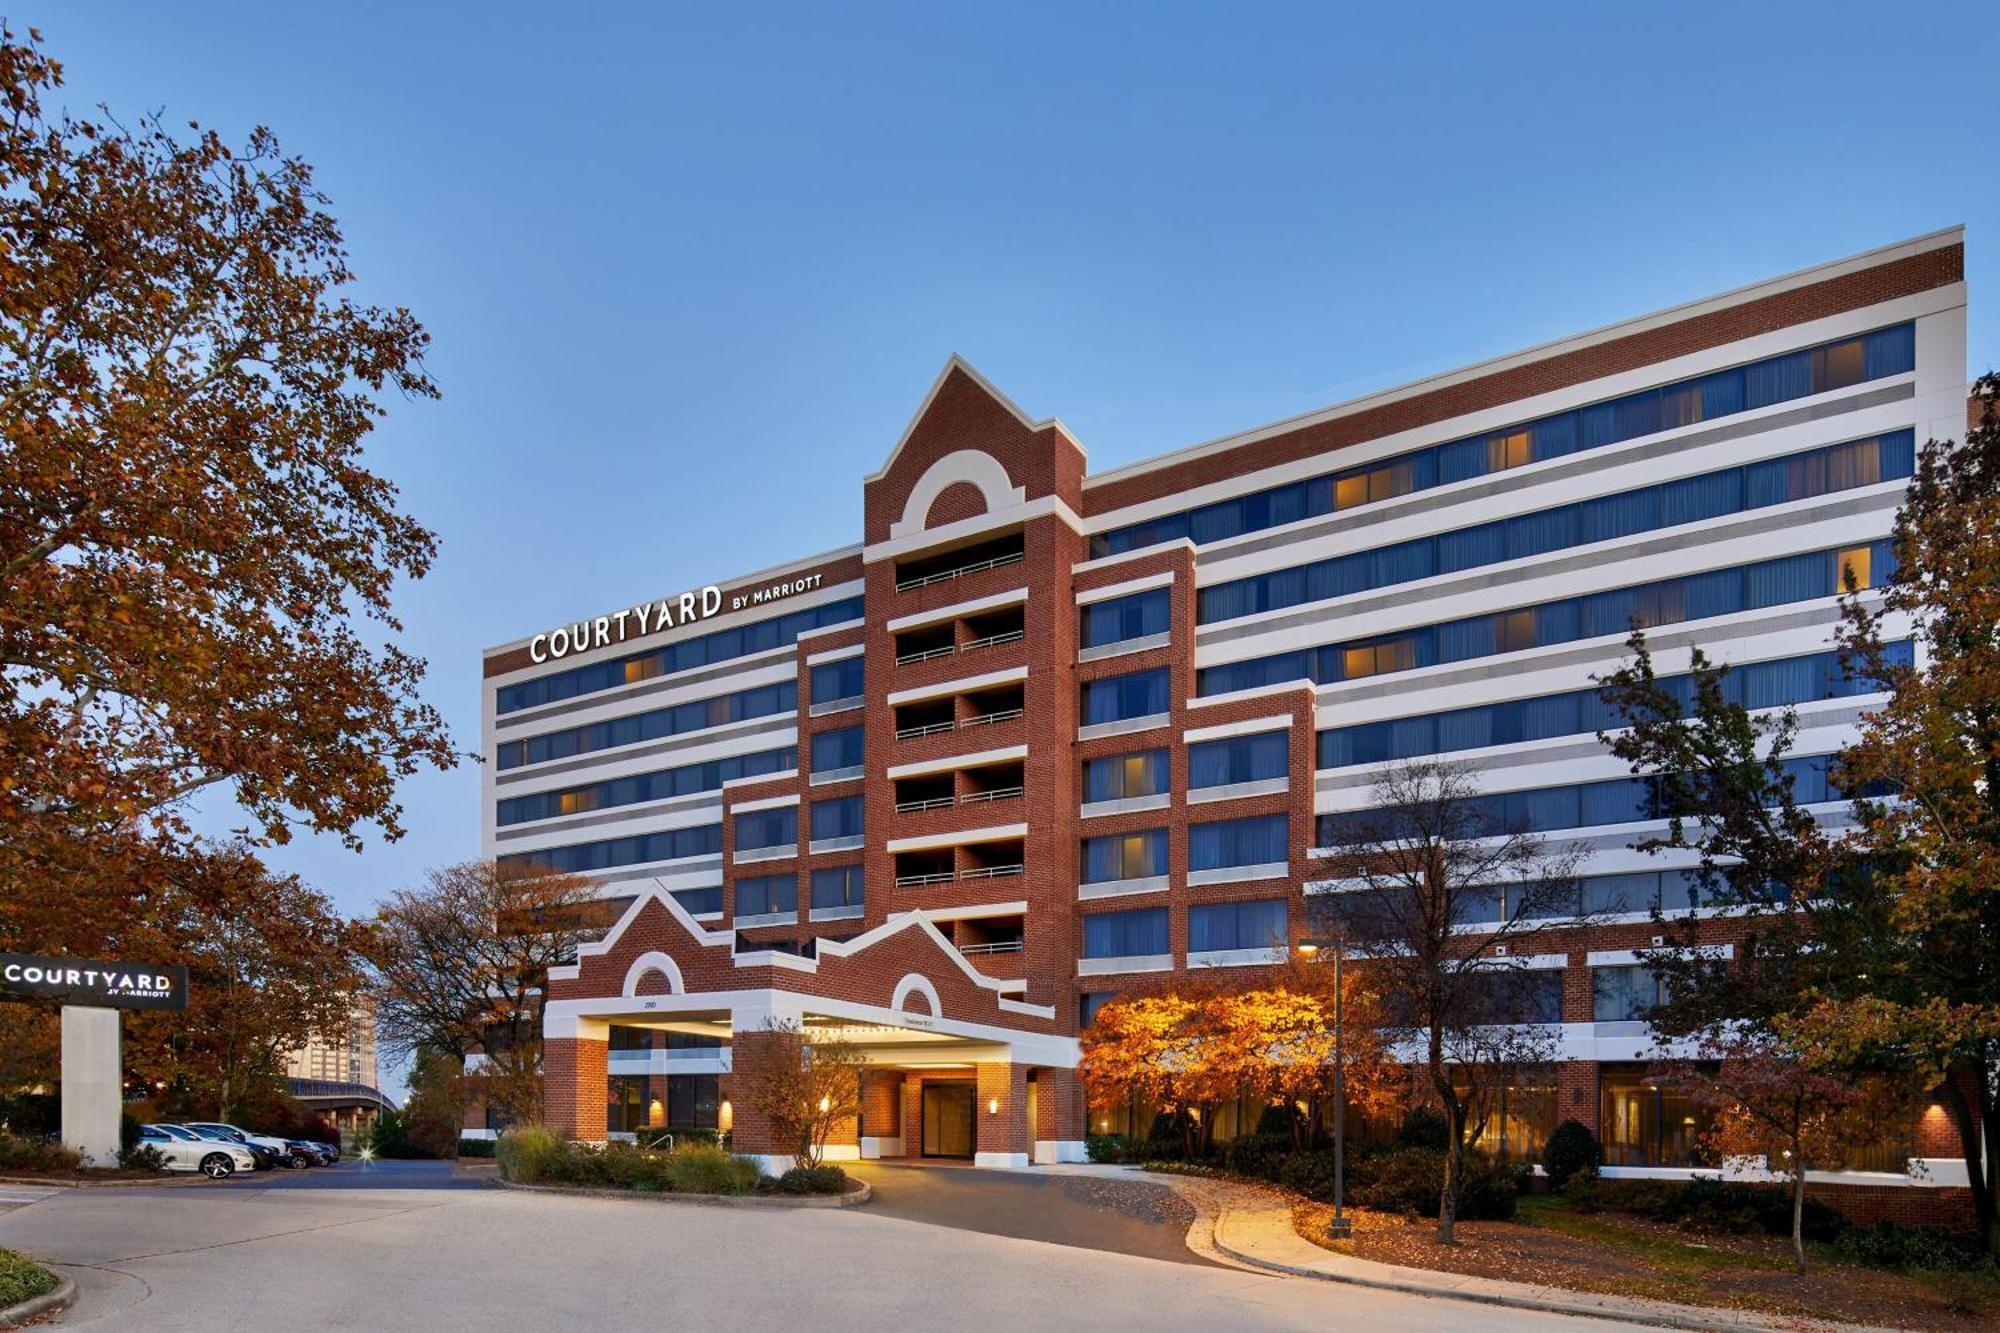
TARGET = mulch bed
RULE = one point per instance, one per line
(116, 1175)
(1732, 1272)
(1140, 1199)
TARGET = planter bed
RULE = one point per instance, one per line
(856, 1195)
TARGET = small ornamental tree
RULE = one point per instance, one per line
(805, 1086)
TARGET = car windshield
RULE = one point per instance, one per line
(176, 1131)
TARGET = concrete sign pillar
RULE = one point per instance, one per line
(93, 1093)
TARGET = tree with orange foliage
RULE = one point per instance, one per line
(191, 544)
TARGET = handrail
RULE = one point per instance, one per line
(926, 655)
(993, 872)
(988, 719)
(937, 877)
(1005, 636)
(912, 807)
(977, 566)
(930, 729)
(997, 794)
(994, 946)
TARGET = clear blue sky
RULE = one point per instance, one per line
(689, 268)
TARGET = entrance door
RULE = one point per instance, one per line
(949, 1119)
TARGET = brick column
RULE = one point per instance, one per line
(1576, 1094)
(1061, 1117)
(881, 1122)
(1002, 1136)
(751, 1133)
(913, 1115)
(574, 1086)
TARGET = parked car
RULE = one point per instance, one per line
(263, 1158)
(185, 1150)
(315, 1152)
(332, 1149)
(279, 1151)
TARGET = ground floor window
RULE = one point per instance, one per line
(1513, 1121)
(694, 1101)
(1647, 1121)
(625, 1110)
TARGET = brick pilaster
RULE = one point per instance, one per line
(574, 1086)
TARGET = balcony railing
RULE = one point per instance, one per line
(934, 877)
(1005, 636)
(926, 655)
(994, 946)
(912, 807)
(946, 576)
(997, 794)
(928, 729)
(993, 872)
(988, 719)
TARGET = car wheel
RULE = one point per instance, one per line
(300, 1161)
(218, 1166)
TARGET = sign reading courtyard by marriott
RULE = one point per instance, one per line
(93, 983)
(665, 614)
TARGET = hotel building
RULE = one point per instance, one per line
(1045, 735)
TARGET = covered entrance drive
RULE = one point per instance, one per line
(955, 1067)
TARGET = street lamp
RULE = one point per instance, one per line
(1341, 1226)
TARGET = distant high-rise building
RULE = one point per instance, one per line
(343, 1056)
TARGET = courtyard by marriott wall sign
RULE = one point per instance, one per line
(652, 617)
(90, 982)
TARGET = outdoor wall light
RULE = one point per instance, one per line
(725, 1117)
(825, 1105)
(993, 1106)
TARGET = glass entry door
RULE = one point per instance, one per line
(949, 1119)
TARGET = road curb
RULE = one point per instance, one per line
(853, 1198)
(1689, 1317)
(59, 1297)
(142, 1182)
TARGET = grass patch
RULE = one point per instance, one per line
(22, 1279)
(1677, 1257)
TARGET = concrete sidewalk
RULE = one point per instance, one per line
(1253, 1226)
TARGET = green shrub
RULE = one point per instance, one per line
(1424, 1128)
(1107, 1148)
(1410, 1180)
(1166, 1139)
(1310, 1174)
(29, 1152)
(1890, 1245)
(823, 1179)
(666, 1137)
(1278, 1119)
(22, 1279)
(1723, 1206)
(526, 1151)
(37, 1115)
(142, 1157)
(390, 1138)
(1583, 1193)
(1260, 1154)
(1572, 1151)
(702, 1168)
(475, 1147)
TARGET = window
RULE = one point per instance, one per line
(837, 886)
(836, 819)
(1648, 1122)
(1239, 842)
(694, 1101)
(1088, 1003)
(1225, 763)
(1124, 776)
(666, 845)
(625, 1103)
(836, 751)
(1520, 1119)
(760, 829)
(657, 786)
(766, 895)
(700, 902)
(1138, 616)
(1624, 994)
(1851, 567)
(696, 715)
(1668, 601)
(1125, 856)
(1123, 698)
(1136, 934)
(682, 655)
(833, 681)
(1885, 352)
(1258, 925)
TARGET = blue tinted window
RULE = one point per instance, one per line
(838, 886)
(836, 819)
(767, 828)
(762, 894)
(836, 750)
(1122, 776)
(832, 681)
(1240, 759)
(695, 715)
(667, 845)
(1125, 856)
(1238, 842)
(1889, 351)
(1136, 617)
(640, 787)
(1257, 925)
(1120, 698)
(700, 902)
(1135, 934)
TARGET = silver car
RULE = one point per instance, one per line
(185, 1150)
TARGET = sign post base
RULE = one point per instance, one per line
(93, 1083)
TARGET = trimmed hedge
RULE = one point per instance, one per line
(476, 1147)
(1727, 1207)
(823, 1179)
(536, 1155)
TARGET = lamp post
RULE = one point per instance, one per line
(1341, 1226)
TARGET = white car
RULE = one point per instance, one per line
(186, 1150)
(282, 1152)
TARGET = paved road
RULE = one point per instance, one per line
(402, 1246)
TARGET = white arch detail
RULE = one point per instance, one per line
(916, 983)
(654, 961)
(975, 468)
